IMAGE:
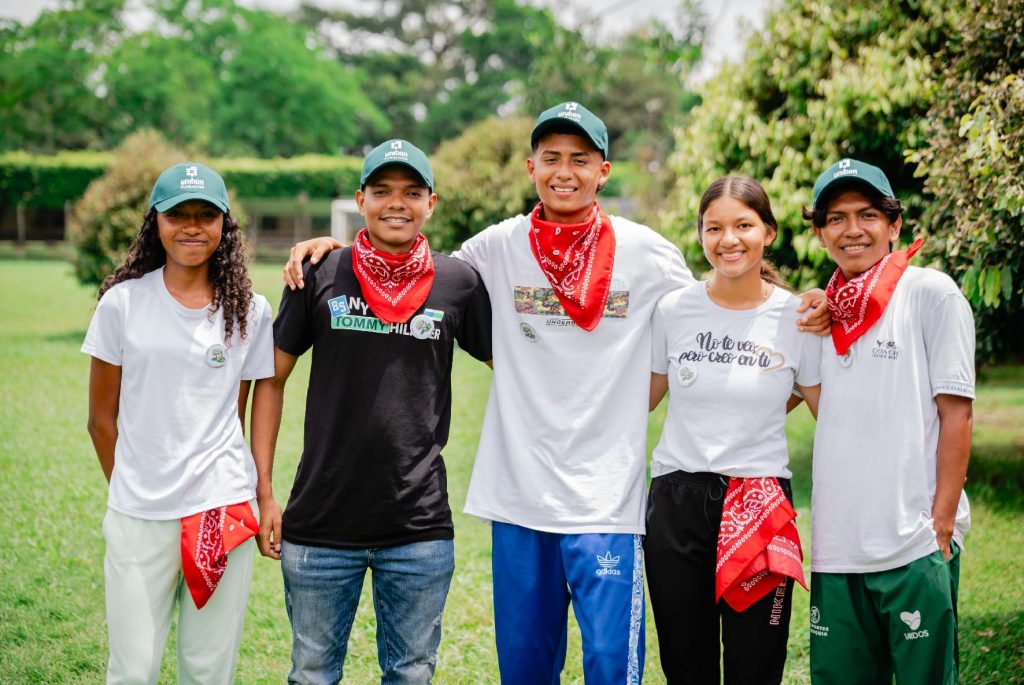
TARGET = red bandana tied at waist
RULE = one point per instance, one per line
(577, 260)
(206, 539)
(758, 544)
(857, 304)
(394, 285)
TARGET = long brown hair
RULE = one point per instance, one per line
(752, 195)
(229, 275)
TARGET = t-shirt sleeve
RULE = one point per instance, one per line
(293, 327)
(259, 362)
(105, 337)
(474, 334)
(948, 329)
(808, 370)
(676, 271)
(659, 342)
(472, 251)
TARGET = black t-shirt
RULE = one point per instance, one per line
(378, 405)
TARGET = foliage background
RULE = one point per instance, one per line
(928, 90)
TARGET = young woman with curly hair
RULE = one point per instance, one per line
(176, 340)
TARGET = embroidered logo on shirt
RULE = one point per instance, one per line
(608, 564)
(886, 349)
(913, 621)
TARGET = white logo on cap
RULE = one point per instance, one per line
(191, 182)
(396, 145)
(844, 164)
(571, 106)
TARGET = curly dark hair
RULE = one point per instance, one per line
(229, 275)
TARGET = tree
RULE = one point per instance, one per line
(46, 72)
(821, 82)
(973, 166)
(208, 73)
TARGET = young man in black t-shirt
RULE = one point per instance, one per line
(382, 317)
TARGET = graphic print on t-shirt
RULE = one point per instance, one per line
(350, 312)
(544, 302)
(728, 350)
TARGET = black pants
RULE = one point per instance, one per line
(684, 512)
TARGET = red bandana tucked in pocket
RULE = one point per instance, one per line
(758, 544)
(206, 539)
(394, 285)
(577, 260)
(858, 303)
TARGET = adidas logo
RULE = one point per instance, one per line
(913, 621)
(608, 564)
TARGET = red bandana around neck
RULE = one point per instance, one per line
(758, 544)
(858, 303)
(577, 260)
(206, 539)
(394, 285)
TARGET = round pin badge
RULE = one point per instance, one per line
(846, 360)
(216, 355)
(528, 332)
(686, 374)
(421, 327)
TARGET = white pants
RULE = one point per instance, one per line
(143, 580)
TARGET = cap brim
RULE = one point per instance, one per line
(543, 127)
(175, 200)
(397, 162)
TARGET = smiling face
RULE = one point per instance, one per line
(190, 232)
(395, 203)
(856, 233)
(567, 171)
(734, 237)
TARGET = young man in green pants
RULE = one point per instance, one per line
(891, 447)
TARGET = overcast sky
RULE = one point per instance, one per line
(731, 20)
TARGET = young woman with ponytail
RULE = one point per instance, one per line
(722, 550)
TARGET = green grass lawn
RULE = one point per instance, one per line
(52, 627)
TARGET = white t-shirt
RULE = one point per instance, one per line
(563, 444)
(878, 429)
(730, 373)
(180, 448)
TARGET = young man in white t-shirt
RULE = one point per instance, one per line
(891, 447)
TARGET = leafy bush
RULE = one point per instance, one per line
(107, 218)
(481, 180)
(48, 180)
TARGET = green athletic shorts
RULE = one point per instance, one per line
(867, 627)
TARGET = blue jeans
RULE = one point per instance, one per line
(321, 592)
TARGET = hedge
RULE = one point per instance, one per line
(51, 180)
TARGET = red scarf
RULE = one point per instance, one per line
(206, 539)
(858, 303)
(758, 544)
(394, 285)
(577, 260)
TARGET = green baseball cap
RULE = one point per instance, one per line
(852, 171)
(398, 151)
(579, 116)
(189, 181)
